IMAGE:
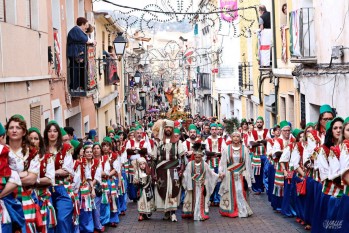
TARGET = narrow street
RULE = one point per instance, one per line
(264, 219)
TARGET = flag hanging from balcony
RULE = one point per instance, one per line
(264, 42)
(57, 52)
(229, 5)
(188, 57)
(294, 34)
(112, 72)
(284, 44)
(91, 68)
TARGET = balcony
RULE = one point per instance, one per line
(264, 49)
(245, 83)
(81, 70)
(204, 81)
(302, 36)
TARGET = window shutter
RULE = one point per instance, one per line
(28, 13)
(2, 10)
(35, 117)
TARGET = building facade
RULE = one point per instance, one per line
(25, 78)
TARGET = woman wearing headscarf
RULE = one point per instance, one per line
(343, 213)
(47, 178)
(61, 195)
(24, 159)
(331, 189)
(235, 172)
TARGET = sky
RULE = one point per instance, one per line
(184, 27)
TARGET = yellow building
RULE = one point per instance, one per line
(108, 103)
(273, 94)
(248, 67)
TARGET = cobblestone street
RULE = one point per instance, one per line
(264, 219)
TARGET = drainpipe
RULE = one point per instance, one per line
(275, 65)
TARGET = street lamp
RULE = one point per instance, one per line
(119, 44)
(195, 84)
(137, 77)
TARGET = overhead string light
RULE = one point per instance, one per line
(166, 12)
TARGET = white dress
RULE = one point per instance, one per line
(236, 165)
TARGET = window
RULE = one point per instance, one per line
(282, 108)
(10, 11)
(291, 109)
(57, 115)
(86, 127)
(35, 117)
(28, 23)
(103, 41)
(2, 11)
(81, 8)
(69, 5)
(204, 81)
(303, 115)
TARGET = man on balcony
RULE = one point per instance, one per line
(76, 52)
(264, 19)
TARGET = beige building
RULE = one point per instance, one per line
(67, 108)
(25, 78)
(109, 105)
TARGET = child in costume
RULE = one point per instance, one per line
(199, 183)
(142, 178)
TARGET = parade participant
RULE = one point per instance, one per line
(65, 136)
(167, 192)
(235, 172)
(63, 168)
(271, 168)
(78, 153)
(143, 180)
(313, 182)
(343, 213)
(206, 131)
(101, 214)
(2, 135)
(224, 135)
(220, 130)
(278, 147)
(257, 143)
(105, 205)
(114, 183)
(293, 150)
(331, 189)
(199, 182)
(326, 114)
(296, 165)
(12, 212)
(188, 144)
(46, 179)
(214, 145)
(244, 127)
(25, 160)
(90, 174)
(111, 133)
(135, 149)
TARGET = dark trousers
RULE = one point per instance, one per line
(77, 74)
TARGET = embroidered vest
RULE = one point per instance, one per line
(59, 161)
(43, 164)
(209, 140)
(5, 170)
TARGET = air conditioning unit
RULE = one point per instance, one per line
(337, 52)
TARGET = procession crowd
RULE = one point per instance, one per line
(54, 182)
